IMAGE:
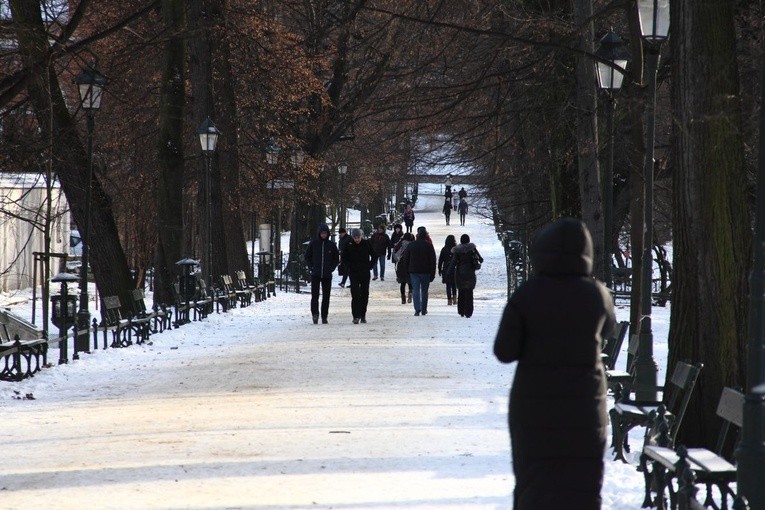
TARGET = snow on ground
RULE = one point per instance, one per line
(258, 408)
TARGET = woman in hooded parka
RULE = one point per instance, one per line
(553, 326)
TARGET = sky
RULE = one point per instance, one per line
(258, 408)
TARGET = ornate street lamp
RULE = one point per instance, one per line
(208, 138)
(612, 60)
(342, 169)
(90, 84)
(654, 27)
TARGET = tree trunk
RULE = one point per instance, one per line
(712, 242)
(587, 132)
(171, 155)
(231, 201)
(201, 16)
(107, 259)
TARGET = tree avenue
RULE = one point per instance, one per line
(503, 89)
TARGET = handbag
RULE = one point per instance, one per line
(476, 262)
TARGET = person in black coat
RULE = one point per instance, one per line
(553, 326)
(359, 258)
(444, 264)
(342, 241)
(419, 262)
(463, 266)
(322, 257)
(395, 237)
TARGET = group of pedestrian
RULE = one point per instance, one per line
(460, 205)
(415, 263)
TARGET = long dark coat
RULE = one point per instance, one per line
(553, 326)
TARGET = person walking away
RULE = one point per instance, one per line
(553, 326)
(463, 210)
(462, 193)
(342, 242)
(444, 264)
(322, 257)
(358, 258)
(381, 246)
(447, 210)
(408, 217)
(419, 261)
(465, 262)
(403, 280)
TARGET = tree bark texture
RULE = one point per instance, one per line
(587, 131)
(171, 154)
(107, 258)
(712, 236)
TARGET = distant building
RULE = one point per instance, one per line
(23, 210)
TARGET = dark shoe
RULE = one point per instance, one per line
(324, 321)
(424, 312)
(409, 297)
(315, 319)
(374, 278)
(382, 279)
(341, 284)
(403, 300)
(416, 313)
(355, 320)
(363, 320)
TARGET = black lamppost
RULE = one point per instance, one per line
(63, 313)
(208, 138)
(613, 57)
(654, 28)
(750, 454)
(342, 169)
(90, 84)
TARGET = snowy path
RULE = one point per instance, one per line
(260, 409)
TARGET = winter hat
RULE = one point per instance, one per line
(355, 232)
(341, 231)
(464, 239)
(422, 230)
(323, 228)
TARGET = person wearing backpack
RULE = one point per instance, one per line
(466, 260)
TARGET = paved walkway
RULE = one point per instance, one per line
(261, 409)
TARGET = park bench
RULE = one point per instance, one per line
(206, 299)
(112, 321)
(624, 378)
(261, 290)
(158, 318)
(628, 413)
(21, 358)
(709, 467)
(181, 308)
(243, 291)
(228, 291)
(613, 346)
